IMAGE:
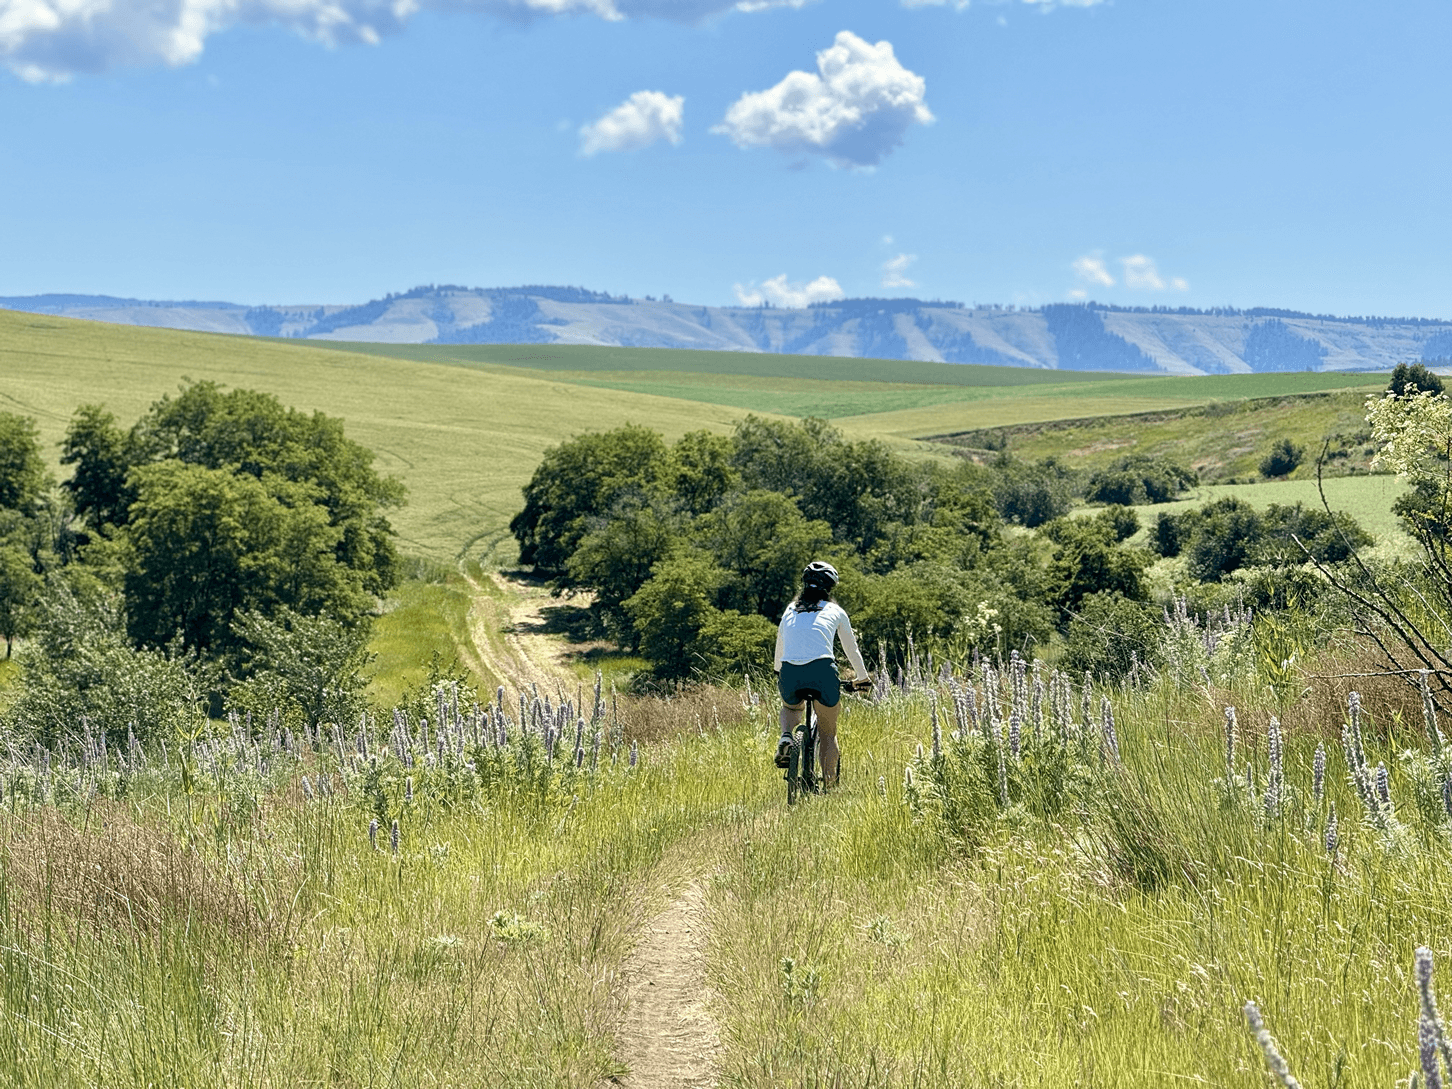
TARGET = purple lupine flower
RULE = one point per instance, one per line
(1318, 773)
(408, 790)
(1277, 772)
(1232, 728)
(1383, 786)
(1332, 839)
(393, 838)
(634, 754)
(1106, 717)
(937, 727)
(1430, 1035)
(373, 833)
(1273, 1057)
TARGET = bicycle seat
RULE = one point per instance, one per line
(807, 694)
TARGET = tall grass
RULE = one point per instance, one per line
(1054, 915)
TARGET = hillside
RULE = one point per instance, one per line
(464, 426)
(1057, 336)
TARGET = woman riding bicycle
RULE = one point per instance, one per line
(804, 658)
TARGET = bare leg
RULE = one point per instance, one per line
(791, 717)
(827, 742)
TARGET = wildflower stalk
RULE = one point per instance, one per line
(1273, 1057)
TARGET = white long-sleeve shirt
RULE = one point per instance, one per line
(804, 637)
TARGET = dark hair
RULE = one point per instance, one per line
(812, 597)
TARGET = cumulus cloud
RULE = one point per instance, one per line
(1092, 270)
(779, 292)
(894, 271)
(853, 110)
(52, 40)
(645, 118)
(1141, 272)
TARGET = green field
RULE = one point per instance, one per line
(464, 426)
(838, 388)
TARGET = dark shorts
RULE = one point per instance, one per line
(819, 677)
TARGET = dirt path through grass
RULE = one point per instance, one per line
(669, 1039)
(510, 632)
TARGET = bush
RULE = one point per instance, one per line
(1170, 535)
(732, 646)
(1122, 521)
(1031, 494)
(81, 674)
(311, 666)
(1140, 479)
(1109, 632)
(1283, 458)
(1414, 378)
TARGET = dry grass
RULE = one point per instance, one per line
(114, 872)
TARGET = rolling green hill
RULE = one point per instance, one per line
(464, 426)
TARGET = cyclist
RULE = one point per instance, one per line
(805, 662)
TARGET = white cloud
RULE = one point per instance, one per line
(894, 270)
(854, 110)
(793, 296)
(1092, 270)
(1142, 273)
(645, 118)
(52, 40)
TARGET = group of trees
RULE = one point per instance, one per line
(692, 549)
(222, 544)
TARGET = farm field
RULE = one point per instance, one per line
(465, 437)
(903, 398)
(1222, 442)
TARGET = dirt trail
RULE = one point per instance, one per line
(510, 633)
(668, 1038)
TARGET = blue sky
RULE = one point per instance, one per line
(1179, 152)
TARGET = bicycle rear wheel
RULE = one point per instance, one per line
(793, 772)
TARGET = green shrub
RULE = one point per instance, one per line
(1284, 457)
(81, 674)
(1138, 479)
(1414, 378)
(1109, 632)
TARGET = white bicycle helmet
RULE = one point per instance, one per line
(820, 573)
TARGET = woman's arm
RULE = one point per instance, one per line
(780, 647)
(849, 644)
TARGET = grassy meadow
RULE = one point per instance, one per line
(226, 927)
(1083, 905)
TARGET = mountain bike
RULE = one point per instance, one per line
(801, 771)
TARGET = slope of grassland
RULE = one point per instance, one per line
(464, 427)
(462, 441)
(903, 398)
(1223, 441)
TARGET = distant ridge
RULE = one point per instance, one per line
(1068, 336)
